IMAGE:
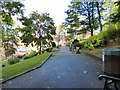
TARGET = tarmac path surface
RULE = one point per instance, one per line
(62, 70)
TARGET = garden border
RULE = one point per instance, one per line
(3, 81)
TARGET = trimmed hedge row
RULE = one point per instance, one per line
(34, 53)
(13, 60)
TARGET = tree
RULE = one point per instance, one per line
(86, 9)
(111, 13)
(99, 15)
(109, 9)
(9, 9)
(116, 15)
(38, 29)
(72, 21)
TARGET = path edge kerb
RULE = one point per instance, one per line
(93, 56)
(27, 70)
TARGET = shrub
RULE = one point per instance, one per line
(68, 44)
(49, 49)
(77, 44)
(102, 38)
(26, 57)
(21, 56)
(32, 54)
(53, 44)
(82, 44)
(96, 41)
(89, 44)
(13, 60)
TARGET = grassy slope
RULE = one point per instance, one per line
(23, 66)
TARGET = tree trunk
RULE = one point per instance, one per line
(99, 19)
(40, 44)
(2, 37)
(90, 25)
(92, 14)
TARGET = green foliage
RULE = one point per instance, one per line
(116, 15)
(72, 20)
(53, 44)
(88, 44)
(38, 29)
(102, 38)
(23, 66)
(9, 9)
(13, 60)
(32, 54)
(27, 39)
(68, 44)
(77, 44)
(92, 13)
(4, 62)
(49, 49)
(9, 50)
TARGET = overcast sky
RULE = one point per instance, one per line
(56, 8)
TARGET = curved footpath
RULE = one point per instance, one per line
(62, 70)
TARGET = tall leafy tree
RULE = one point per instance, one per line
(116, 15)
(9, 9)
(72, 21)
(86, 9)
(38, 29)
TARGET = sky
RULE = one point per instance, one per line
(56, 8)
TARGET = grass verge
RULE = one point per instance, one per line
(95, 52)
(24, 66)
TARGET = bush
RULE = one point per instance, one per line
(53, 44)
(49, 49)
(77, 44)
(34, 53)
(102, 38)
(82, 44)
(68, 44)
(13, 60)
(21, 56)
(88, 44)
(26, 57)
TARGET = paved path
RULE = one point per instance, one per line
(62, 70)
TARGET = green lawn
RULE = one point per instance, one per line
(23, 66)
